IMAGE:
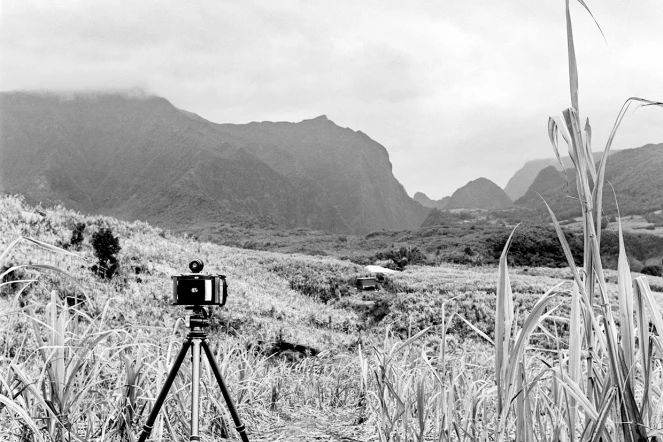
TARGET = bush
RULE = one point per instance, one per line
(652, 270)
(77, 236)
(325, 281)
(654, 218)
(403, 256)
(535, 246)
(105, 246)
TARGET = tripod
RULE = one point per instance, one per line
(195, 339)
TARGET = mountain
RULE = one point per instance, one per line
(479, 194)
(524, 177)
(139, 157)
(635, 174)
(422, 199)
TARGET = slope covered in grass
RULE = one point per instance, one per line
(127, 333)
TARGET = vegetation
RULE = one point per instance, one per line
(90, 370)
(77, 236)
(462, 237)
(110, 354)
(105, 246)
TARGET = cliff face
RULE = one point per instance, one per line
(142, 158)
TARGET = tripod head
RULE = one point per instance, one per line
(199, 318)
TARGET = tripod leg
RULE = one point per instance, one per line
(195, 388)
(241, 429)
(147, 428)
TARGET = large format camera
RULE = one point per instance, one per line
(196, 288)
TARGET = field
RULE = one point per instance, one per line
(115, 349)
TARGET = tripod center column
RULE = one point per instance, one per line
(195, 388)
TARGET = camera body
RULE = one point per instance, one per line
(199, 289)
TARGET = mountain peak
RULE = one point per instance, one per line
(318, 119)
(479, 194)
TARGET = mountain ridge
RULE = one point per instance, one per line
(143, 158)
(634, 174)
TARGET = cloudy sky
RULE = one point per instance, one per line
(453, 89)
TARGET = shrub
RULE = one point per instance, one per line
(652, 270)
(322, 280)
(403, 256)
(654, 218)
(77, 236)
(105, 246)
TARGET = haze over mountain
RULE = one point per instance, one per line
(477, 194)
(139, 157)
(635, 174)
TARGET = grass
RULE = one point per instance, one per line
(127, 335)
(91, 371)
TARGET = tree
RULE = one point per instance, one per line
(105, 246)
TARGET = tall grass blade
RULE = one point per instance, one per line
(479, 332)
(565, 246)
(503, 324)
(643, 291)
(25, 417)
(625, 295)
(50, 247)
(598, 188)
(553, 130)
(575, 347)
(522, 339)
(574, 390)
(599, 425)
(573, 66)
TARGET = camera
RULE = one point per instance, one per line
(198, 289)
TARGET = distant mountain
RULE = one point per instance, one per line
(636, 175)
(479, 194)
(524, 177)
(142, 158)
(422, 199)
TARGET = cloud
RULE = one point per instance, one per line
(454, 90)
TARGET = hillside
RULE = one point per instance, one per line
(635, 174)
(287, 341)
(525, 176)
(140, 158)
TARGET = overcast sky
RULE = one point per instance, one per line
(453, 89)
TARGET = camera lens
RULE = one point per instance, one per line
(196, 265)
